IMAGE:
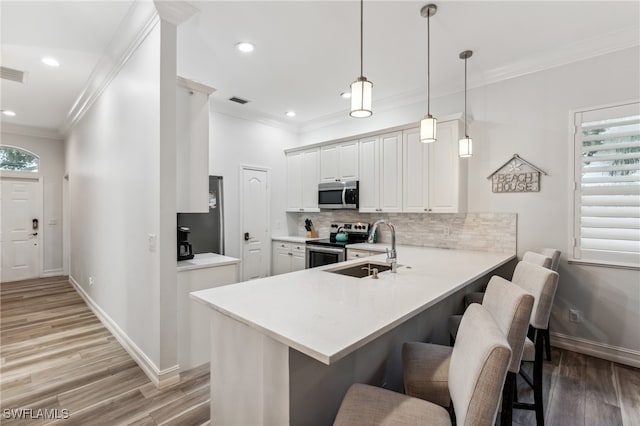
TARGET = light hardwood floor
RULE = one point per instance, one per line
(56, 355)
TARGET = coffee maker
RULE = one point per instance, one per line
(185, 251)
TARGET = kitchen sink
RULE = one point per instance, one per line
(360, 270)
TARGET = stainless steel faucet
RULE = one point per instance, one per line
(391, 254)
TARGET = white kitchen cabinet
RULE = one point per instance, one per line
(434, 177)
(359, 254)
(192, 146)
(339, 162)
(302, 180)
(287, 257)
(381, 173)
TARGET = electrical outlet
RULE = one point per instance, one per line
(574, 315)
(91, 281)
(447, 231)
(153, 242)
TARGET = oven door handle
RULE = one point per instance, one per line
(323, 249)
(344, 196)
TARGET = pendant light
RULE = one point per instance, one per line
(429, 122)
(465, 145)
(361, 89)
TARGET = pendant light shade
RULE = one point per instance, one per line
(429, 123)
(465, 145)
(361, 89)
(428, 127)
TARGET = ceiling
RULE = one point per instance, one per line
(307, 52)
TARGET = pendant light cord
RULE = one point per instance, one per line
(428, 65)
(465, 99)
(361, 37)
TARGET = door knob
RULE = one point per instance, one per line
(246, 236)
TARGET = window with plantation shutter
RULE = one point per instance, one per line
(607, 185)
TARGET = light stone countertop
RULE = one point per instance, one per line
(206, 260)
(294, 239)
(381, 247)
(327, 315)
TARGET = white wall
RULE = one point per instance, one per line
(113, 160)
(235, 142)
(51, 153)
(529, 115)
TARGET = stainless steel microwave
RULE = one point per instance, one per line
(338, 195)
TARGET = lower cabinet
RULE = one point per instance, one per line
(287, 257)
(359, 254)
(194, 346)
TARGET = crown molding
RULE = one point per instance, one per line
(624, 38)
(38, 132)
(175, 12)
(140, 20)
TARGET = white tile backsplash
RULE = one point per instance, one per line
(495, 232)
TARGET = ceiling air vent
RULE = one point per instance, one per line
(238, 100)
(11, 74)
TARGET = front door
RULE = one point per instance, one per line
(20, 226)
(255, 223)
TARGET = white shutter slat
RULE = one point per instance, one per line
(610, 146)
(599, 211)
(611, 190)
(609, 179)
(614, 245)
(622, 167)
(610, 200)
(601, 158)
(610, 222)
(611, 256)
(610, 233)
(612, 134)
(609, 123)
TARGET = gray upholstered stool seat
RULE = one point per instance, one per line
(369, 405)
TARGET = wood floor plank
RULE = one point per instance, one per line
(602, 407)
(628, 381)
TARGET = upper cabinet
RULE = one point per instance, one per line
(302, 180)
(339, 162)
(381, 173)
(434, 177)
(192, 146)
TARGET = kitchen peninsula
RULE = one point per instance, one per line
(286, 348)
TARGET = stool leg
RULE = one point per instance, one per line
(547, 343)
(507, 399)
(537, 378)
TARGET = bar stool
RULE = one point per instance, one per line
(542, 284)
(510, 306)
(555, 263)
(477, 370)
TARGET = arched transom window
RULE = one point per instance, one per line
(13, 158)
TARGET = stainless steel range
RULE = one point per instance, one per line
(333, 249)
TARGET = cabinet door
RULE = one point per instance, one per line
(415, 175)
(329, 163)
(369, 171)
(297, 259)
(391, 172)
(281, 263)
(192, 154)
(309, 177)
(444, 167)
(348, 160)
(294, 181)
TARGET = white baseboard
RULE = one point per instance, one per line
(597, 349)
(52, 273)
(160, 378)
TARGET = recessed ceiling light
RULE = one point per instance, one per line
(245, 47)
(8, 113)
(346, 95)
(291, 113)
(52, 62)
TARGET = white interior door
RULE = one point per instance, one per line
(19, 240)
(255, 223)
